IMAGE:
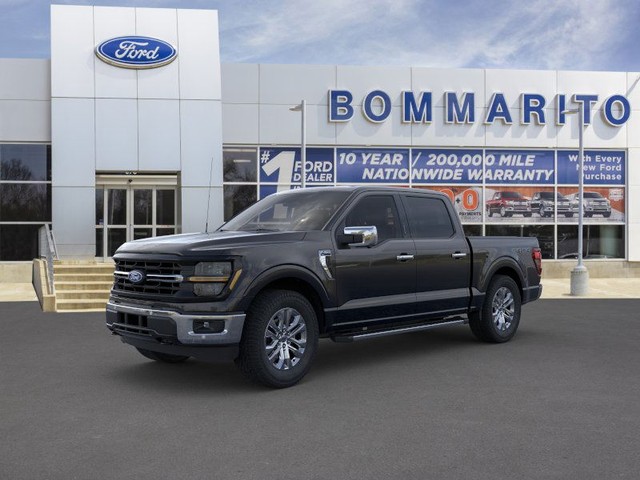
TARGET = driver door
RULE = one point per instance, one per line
(375, 284)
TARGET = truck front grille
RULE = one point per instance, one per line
(161, 278)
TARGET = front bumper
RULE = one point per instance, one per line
(184, 324)
(517, 209)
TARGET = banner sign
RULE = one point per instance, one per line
(367, 165)
(601, 167)
(467, 201)
(436, 166)
(519, 167)
(283, 166)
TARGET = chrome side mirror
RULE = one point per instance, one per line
(366, 236)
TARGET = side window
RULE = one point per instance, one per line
(378, 210)
(429, 218)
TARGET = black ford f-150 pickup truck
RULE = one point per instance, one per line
(347, 263)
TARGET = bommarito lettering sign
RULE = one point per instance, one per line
(417, 108)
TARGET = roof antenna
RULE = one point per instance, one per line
(206, 223)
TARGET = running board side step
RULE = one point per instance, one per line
(397, 331)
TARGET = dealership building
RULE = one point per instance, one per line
(134, 129)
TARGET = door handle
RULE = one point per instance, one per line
(404, 257)
(458, 255)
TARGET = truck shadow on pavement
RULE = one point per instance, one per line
(332, 360)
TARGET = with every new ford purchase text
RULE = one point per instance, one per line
(345, 263)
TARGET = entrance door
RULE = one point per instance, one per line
(131, 211)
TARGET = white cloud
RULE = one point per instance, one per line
(548, 34)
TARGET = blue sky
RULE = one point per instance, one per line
(533, 34)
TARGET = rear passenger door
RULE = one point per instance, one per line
(443, 256)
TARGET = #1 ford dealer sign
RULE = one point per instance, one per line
(136, 52)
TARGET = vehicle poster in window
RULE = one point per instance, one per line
(601, 167)
(601, 205)
(446, 166)
(373, 165)
(467, 200)
(283, 166)
(545, 203)
(524, 167)
(509, 204)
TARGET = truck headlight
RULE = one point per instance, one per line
(210, 278)
(208, 289)
(213, 269)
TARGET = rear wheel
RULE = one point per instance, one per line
(162, 357)
(498, 319)
(279, 339)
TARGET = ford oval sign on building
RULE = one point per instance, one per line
(136, 52)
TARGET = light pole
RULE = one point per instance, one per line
(302, 107)
(580, 274)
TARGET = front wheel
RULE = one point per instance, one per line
(279, 339)
(499, 317)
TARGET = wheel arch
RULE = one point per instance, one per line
(293, 278)
(505, 266)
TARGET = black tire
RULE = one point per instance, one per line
(161, 357)
(489, 212)
(485, 324)
(606, 215)
(588, 215)
(289, 310)
(568, 215)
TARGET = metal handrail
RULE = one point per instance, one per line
(48, 250)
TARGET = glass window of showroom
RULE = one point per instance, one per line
(517, 192)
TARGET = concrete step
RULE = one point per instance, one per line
(84, 269)
(93, 285)
(82, 294)
(75, 305)
(82, 262)
(83, 277)
(84, 310)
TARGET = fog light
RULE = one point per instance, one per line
(208, 326)
(208, 289)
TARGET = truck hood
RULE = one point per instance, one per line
(188, 243)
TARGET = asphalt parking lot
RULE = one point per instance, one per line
(562, 400)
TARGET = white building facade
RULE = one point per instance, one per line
(107, 154)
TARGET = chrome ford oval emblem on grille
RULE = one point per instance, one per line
(137, 277)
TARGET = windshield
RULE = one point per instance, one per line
(547, 195)
(592, 195)
(296, 210)
(511, 195)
